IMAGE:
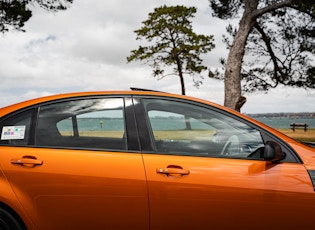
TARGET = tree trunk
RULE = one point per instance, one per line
(182, 83)
(181, 76)
(232, 79)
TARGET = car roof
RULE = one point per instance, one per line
(24, 104)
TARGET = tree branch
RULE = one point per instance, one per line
(266, 39)
(275, 6)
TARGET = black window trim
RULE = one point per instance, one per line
(132, 135)
(145, 138)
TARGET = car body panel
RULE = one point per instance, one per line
(305, 152)
(9, 199)
(226, 193)
(79, 189)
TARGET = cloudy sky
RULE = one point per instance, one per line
(85, 47)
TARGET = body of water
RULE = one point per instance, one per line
(118, 124)
(282, 122)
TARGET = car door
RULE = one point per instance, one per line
(79, 172)
(205, 171)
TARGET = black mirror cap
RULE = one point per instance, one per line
(273, 152)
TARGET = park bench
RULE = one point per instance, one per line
(299, 125)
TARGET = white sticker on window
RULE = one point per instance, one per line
(13, 132)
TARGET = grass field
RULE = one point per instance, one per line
(300, 134)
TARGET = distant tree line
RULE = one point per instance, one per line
(308, 115)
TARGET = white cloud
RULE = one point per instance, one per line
(85, 47)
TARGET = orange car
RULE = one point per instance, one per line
(148, 160)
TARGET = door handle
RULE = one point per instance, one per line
(173, 170)
(27, 161)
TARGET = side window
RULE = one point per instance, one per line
(16, 129)
(182, 128)
(108, 123)
(84, 123)
(65, 127)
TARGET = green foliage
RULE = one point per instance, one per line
(171, 42)
(281, 45)
(225, 9)
(14, 13)
(281, 52)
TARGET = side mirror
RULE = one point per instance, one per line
(273, 152)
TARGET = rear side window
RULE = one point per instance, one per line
(84, 123)
(15, 130)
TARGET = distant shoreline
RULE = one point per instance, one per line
(304, 115)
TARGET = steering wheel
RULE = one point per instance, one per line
(232, 146)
